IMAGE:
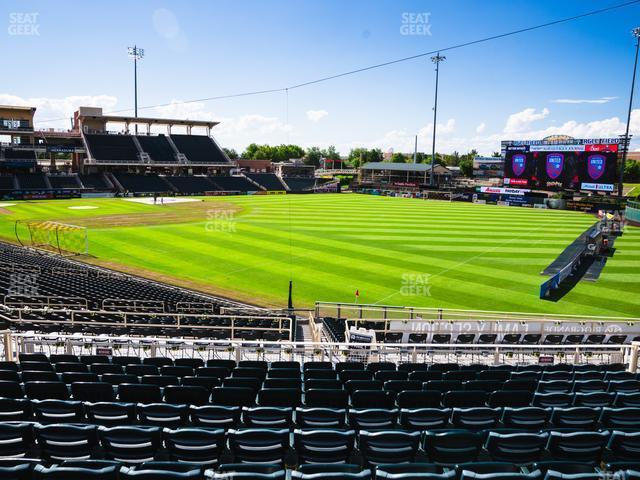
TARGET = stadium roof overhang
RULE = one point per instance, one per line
(18, 108)
(149, 120)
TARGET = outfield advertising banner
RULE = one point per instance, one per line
(504, 191)
(578, 166)
(510, 327)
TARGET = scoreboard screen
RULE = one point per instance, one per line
(580, 166)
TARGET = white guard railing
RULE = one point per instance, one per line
(15, 343)
(132, 320)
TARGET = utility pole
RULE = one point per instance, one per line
(435, 59)
(636, 33)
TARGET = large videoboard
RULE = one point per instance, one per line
(585, 164)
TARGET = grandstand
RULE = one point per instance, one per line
(300, 184)
(146, 183)
(110, 162)
(64, 181)
(150, 183)
(74, 297)
(96, 181)
(112, 148)
(35, 181)
(199, 149)
(14, 154)
(191, 185)
(7, 182)
(233, 184)
(269, 181)
(158, 148)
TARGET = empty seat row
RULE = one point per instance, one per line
(321, 365)
(159, 470)
(247, 392)
(181, 413)
(134, 445)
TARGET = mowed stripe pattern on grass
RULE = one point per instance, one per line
(471, 256)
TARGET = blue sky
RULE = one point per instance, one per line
(572, 78)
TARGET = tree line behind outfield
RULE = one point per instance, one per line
(356, 157)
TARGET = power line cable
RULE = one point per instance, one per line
(383, 64)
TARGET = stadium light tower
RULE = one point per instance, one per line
(137, 54)
(435, 59)
(636, 33)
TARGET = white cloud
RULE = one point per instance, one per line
(57, 112)
(580, 100)
(521, 121)
(518, 126)
(602, 128)
(403, 141)
(189, 111)
(607, 127)
(316, 115)
(233, 132)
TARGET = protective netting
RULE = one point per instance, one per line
(61, 238)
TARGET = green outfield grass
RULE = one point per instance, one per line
(633, 189)
(395, 251)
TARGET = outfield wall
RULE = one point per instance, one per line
(632, 213)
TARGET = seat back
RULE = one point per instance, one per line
(324, 446)
(577, 446)
(390, 446)
(46, 390)
(15, 439)
(452, 447)
(139, 393)
(60, 442)
(259, 445)
(424, 418)
(518, 448)
(326, 398)
(215, 416)
(92, 391)
(195, 445)
(186, 394)
(130, 445)
(61, 472)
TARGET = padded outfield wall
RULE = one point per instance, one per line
(632, 212)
